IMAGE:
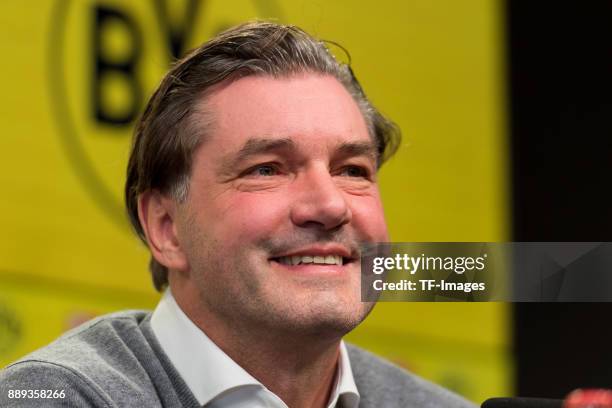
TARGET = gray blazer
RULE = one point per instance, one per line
(116, 361)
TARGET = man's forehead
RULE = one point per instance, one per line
(337, 146)
(308, 106)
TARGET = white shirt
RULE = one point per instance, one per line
(214, 378)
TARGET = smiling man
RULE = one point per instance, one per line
(253, 181)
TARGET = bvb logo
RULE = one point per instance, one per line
(105, 57)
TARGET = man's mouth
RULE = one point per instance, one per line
(318, 257)
(311, 259)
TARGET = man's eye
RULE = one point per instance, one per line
(264, 170)
(355, 171)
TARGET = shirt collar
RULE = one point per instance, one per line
(177, 333)
(346, 389)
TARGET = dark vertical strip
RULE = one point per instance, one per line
(560, 79)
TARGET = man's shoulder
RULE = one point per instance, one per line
(380, 382)
(87, 363)
(92, 342)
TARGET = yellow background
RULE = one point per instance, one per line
(436, 68)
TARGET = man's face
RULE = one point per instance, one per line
(283, 191)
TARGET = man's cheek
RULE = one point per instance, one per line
(369, 220)
(256, 214)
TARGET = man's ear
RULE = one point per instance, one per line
(157, 214)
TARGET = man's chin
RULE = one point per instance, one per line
(328, 320)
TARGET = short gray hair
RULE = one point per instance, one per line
(167, 135)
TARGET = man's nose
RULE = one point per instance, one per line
(318, 201)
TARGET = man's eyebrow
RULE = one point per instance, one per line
(253, 147)
(351, 149)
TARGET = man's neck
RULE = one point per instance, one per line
(299, 369)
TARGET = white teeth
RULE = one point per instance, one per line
(307, 259)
